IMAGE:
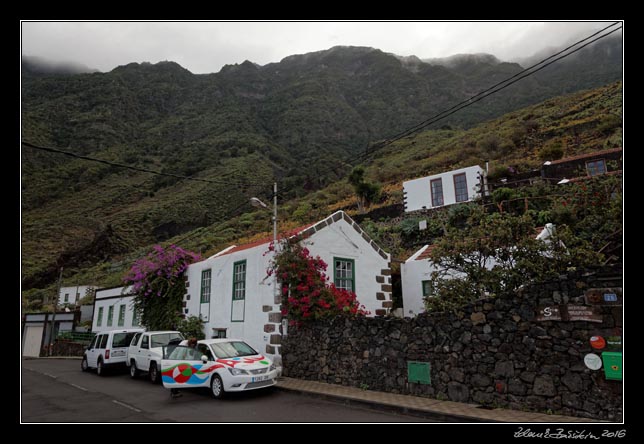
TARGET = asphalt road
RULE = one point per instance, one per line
(55, 390)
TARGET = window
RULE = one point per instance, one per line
(145, 343)
(437, 192)
(344, 273)
(218, 333)
(135, 318)
(110, 316)
(103, 343)
(205, 286)
(135, 339)
(239, 280)
(460, 187)
(122, 339)
(427, 288)
(121, 315)
(99, 321)
(93, 343)
(596, 167)
(163, 339)
(66, 297)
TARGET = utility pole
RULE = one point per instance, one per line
(53, 318)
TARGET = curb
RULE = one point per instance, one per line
(452, 418)
(32, 358)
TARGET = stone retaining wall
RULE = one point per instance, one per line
(494, 352)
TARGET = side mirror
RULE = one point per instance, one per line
(204, 358)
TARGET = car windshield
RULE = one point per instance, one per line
(181, 352)
(122, 339)
(164, 339)
(232, 349)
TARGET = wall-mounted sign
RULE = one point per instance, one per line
(614, 343)
(597, 342)
(593, 361)
(604, 296)
(583, 313)
(612, 365)
(549, 313)
(569, 313)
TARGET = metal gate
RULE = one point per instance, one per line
(33, 338)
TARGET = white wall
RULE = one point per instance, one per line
(418, 191)
(339, 239)
(412, 274)
(72, 291)
(217, 314)
(113, 297)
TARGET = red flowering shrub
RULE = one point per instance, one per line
(306, 292)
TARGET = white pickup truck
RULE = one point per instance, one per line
(146, 350)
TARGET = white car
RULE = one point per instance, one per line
(224, 365)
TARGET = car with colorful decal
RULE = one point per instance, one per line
(224, 365)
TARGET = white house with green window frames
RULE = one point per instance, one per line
(113, 309)
(442, 189)
(234, 296)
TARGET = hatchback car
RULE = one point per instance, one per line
(224, 365)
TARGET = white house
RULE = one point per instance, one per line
(113, 309)
(71, 295)
(416, 275)
(443, 189)
(234, 296)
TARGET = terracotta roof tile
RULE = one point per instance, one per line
(263, 241)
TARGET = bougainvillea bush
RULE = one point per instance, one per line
(158, 283)
(306, 291)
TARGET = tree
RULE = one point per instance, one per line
(158, 283)
(367, 192)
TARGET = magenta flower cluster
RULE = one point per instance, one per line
(159, 270)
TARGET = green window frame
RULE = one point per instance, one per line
(239, 280)
(344, 273)
(428, 288)
(206, 276)
(135, 318)
(110, 315)
(99, 321)
(121, 322)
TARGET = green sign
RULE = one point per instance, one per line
(612, 365)
(418, 372)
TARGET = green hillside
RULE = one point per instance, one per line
(246, 126)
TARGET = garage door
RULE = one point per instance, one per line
(33, 338)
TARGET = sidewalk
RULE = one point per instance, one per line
(447, 411)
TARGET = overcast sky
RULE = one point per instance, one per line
(204, 47)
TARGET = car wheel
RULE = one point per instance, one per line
(154, 373)
(84, 365)
(134, 372)
(100, 371)
(217, 387)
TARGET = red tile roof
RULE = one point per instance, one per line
(263, 241)
(426, 254)
(584, 156)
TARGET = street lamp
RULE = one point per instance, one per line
(254, 201)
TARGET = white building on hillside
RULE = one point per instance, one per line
(416, 273)
(443, 189)
(113, 309)
(234, 296)
(71, 295)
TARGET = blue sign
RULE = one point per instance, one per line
(610, 297)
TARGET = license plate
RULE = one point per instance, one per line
(118, 353)
(259, 378)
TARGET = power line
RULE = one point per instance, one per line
(479, 96)
(134, 168)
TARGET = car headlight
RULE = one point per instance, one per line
(237, 371)
(273, 367)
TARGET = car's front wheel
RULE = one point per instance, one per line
(84, 365)
(217, 387)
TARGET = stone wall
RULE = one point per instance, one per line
(494, 352)
(66, 348)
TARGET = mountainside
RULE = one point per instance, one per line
(241, 128)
